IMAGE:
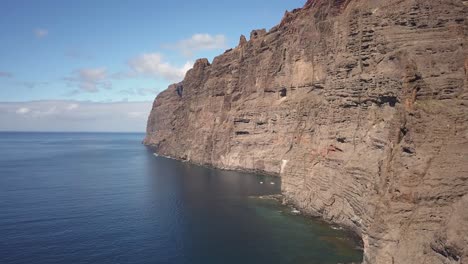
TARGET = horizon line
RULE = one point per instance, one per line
(103, 132)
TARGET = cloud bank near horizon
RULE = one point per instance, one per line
(74, 116)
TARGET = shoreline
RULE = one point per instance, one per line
(280, 198)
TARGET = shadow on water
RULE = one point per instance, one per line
(226, 223)
(105, 198)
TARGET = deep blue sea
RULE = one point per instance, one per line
(105, 198)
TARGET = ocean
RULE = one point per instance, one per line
(105, 198)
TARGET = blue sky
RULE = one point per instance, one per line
(111, 51)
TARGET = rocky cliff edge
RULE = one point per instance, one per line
(360, 106)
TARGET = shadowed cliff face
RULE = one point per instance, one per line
(359, 105)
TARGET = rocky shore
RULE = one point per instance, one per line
(360, 106)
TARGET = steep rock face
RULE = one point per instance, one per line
(359, 105)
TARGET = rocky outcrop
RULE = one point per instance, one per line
(359, 105)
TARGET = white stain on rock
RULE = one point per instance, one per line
(283, 165)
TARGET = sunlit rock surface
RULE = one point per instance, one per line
(359, 105)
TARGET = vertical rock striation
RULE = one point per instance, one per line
(359, 105)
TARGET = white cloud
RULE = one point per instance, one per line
(71, 107)
(23, 110)
(68, 115)
(137, 114)
(90, 80)
(37, 111)
(147, 91)
(52, 110)
(40, 32)
(141, 91)
(199, 42)
(152, 64)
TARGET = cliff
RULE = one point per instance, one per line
(360, 106)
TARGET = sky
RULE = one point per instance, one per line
(90, 65)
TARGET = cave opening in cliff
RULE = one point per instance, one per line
(283, 92)
(180, 90)
(390, 100)
(341, 139)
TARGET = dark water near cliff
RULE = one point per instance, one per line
(105, 198)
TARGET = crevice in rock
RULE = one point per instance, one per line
(241, 120)
(447, 252)
(404, 131)
(283, 92)
(408, 150)
(341, 139)
(180, 90)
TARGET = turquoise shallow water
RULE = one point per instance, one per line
(308, 240)
(105, 198)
